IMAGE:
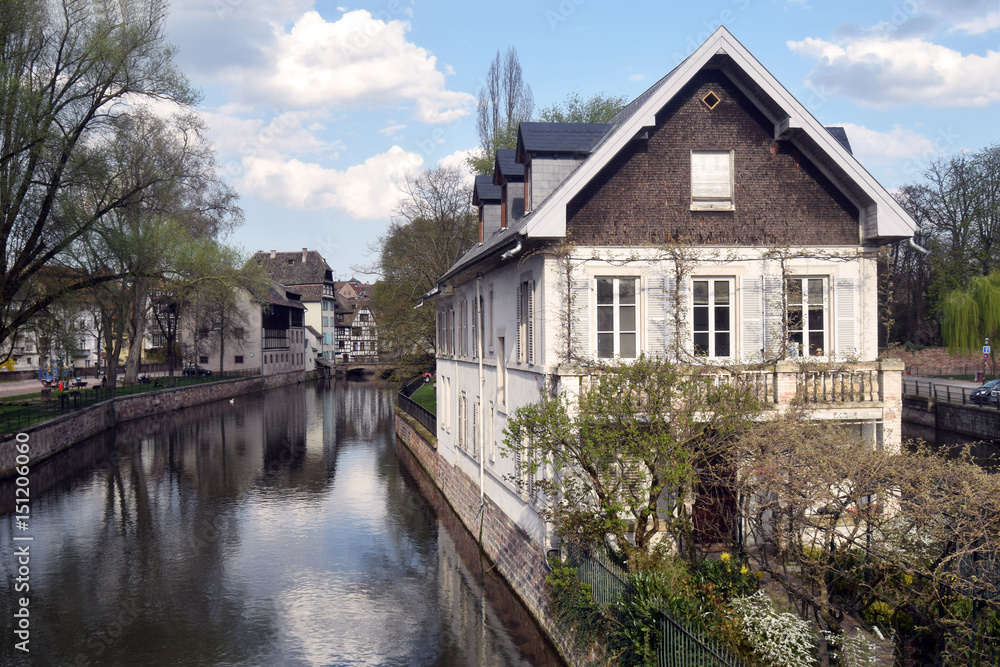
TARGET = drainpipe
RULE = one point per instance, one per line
(913, 244)
(513, 251)
(482, 383)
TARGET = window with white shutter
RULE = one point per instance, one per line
(711, 180)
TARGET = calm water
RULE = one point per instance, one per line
(278, 529)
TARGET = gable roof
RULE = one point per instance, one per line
(559, 137)
(506, 167)
(881, 217)
(484, 190)
(288, 268)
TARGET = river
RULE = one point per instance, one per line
(273, 529)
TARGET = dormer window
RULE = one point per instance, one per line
(711, 180)
(527, 186)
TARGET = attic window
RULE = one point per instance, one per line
(291, 261)
(711, 100)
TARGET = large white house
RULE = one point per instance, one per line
(712, 220)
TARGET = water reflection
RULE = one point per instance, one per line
(276, 529)
(984, 452)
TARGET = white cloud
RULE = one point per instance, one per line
(366, 191)
(356, 61)
(636, 77)
(979, 26)
(392, 129)
(899, 143)
(877, 70)
(460, 160)
(288, 133)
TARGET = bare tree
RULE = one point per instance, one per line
(505, 100)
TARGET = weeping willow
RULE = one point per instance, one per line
(972, 314)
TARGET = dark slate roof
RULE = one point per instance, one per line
(288, 268)
(484, 190)
(310, 293)
(507, 166)
(279, 296)
(561, 137)
(840, 134)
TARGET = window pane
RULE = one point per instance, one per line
(605, 318)
(605, 290)
(626, 318)
(722, 344)
(605, 345)
(628, 346)
(722, 319)
(700, 318)
(795, 318)
(626, 290)
(721, 292)
(816, 291)
(815, 318)
(701, 292)
(701, 344)
(794, 288)
(816, 344)
(710, 174)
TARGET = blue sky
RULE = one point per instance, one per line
(319, 109)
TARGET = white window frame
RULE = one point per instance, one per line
(806, 347)
(712, 180)
(617, 311)
(711, 352)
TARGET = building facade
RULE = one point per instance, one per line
(713, 221)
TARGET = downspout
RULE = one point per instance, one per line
(513, 251)
(913, 244)
(482, 384)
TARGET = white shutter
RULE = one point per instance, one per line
(751, 320)
(475, 429)
(581, 316)
(671, 304)
(711, 179)
(846, 319)
(517, 300)
(656, 319)
(475, 327)
(531, 321)
(774, 317)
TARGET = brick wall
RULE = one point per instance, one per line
(518, 559)
(59, 434)
(644, 195)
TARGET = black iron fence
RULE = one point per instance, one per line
(20, 412)
(426, 418)
(679, 646)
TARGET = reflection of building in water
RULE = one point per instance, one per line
(362, 409)
(466, 612)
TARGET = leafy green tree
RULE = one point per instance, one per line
(972, 314)
(626, 456)
(574, 109)
(505, 100)
(72, 73)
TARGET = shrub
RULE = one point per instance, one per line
(780, 639)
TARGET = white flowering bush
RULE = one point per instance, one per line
(781, 639)
(854, 651)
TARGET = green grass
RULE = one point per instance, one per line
(426, 397)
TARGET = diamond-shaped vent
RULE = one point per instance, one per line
(711, 100)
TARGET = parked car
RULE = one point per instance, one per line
(197, 371)
(987, 393)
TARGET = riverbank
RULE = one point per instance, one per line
(56, 435)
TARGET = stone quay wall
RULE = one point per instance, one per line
(56, 435)
(518, 558)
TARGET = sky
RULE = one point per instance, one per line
(318, 110)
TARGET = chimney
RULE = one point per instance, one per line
(304, 251)
(274, 253)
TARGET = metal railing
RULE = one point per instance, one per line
(838, 386)
(426, 418)
(17, 413)
(679, 646)
(946, 393)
